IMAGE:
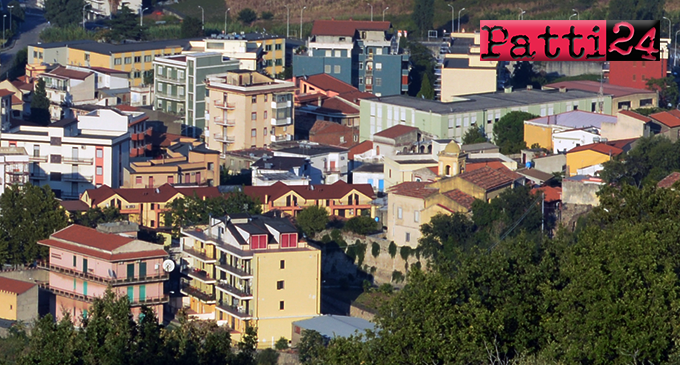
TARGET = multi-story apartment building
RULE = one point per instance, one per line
(361, 53)
(251, 269)
(71, 156)
(247, 110)
(255, 51)
(66, 88)
(179, 85)
(453, 119)
(465, 73)
(136, 59)
(328, 163)
(13, 167)
(100, 9)
(185, 161)
(83, 262)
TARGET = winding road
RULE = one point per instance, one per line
(29, 32)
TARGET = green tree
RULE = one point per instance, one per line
(125, 25)
(93, 216)
(423, 16)
(523, 74)
(311, 346)
(426, 88)
(312, 220)
(191, 27)
(53, 343)
(29, 214)
(422, 62)
(267, 357)
(650, 160)
(247, 16)
(19, 64)
(636, 9)
(15, 344)
(281, 344)
(40, 104)
(445, 235)
(267, 15)
(474, 135)
(667, 89)
(361, 225)
(64, 12)
(18, 14)
(508, 132)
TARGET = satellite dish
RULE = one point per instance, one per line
(168, 265)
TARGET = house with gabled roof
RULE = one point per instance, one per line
(340, 198)
(83, 262)
(19, 303)
(595, 154)
(668, 123)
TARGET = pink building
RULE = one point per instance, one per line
(84, 261)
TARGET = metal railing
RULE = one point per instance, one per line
(236, 311)
(76, 177)
(38, 176)
(89, 298)
(37, 158)
(224, 104)
(77, 160)
(195, 292)
(234, 270)
(225, 139)
(99, 279)
(242, 292)
(199, 255)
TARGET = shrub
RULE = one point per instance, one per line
(281, 344)
(361, 225)
(360, 250)
(375, 249)
(247, 16)
(392, 249)
(397, 276)
(386, 288)
(312, 220)
(326, 239)
(268, 357)
(267, 15)
(416, 265)
(336, 236)
(373, 269)
(351, 252)
(405, 252)
(366, 285)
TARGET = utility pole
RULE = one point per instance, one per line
(287, 21)
(202, 18)
(452, 18)
(371, 5)
(301, 10)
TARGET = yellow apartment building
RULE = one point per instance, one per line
(185, 161)
(254, 270)
(134, 58)
(246, 109)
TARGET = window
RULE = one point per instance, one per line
(408, 237)
(74, 260)
(87, 57)
(153, 223)
(180, 90)
(171, 179)
(254, 99)
(55, 176)
(279, 285)
(253, 116)
(253, 132)
(100, 153)
(633, 77)
(147, 58)
(160, 87)
(265, 96)
(342, 139)
(138, 180)
(378, 50)
(281, 305)
(265, 115)
(180, 74)
(338, 53)
(55, 158)
(138, 59)
(378, 81)
(264, 132)
(160, 70)
(361, 81)
(399, 213)
(100, 171)
(282, 264)
(211, 166)
(128, 60)
(117, 61)
(327, 69)
(336, 69)
(328, 53)
(416, 216)
(137, 74)
(277, 46)
(268, 47)
(361, 65)
(55, 141)
(378, 66)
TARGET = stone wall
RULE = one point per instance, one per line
(356, 310)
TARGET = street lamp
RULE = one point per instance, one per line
(202, 18)
(669, 26)
(452, 18)
(459, 11)
(578, 16)
(226, 13)
(371, 5)
(301, 10)
(384, 10)
(10, 16)
(3, 30)
(287, 21)
(141, 16)
(84, 6)
(521, 14)
(572, 15)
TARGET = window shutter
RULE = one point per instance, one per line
(285, 238)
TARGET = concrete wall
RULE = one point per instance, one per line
(625, 127)
(569, 68)
(27, 305)
(576, 192)
(550, 164)
(467, 81)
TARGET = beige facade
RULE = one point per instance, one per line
(626, 127)
(467, 74)
(400, 168)
(246, 109)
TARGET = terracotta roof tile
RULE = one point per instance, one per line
(74, 205)
(91, 237)
(635, 115)
(552, 194)
(487, 178)
(327, 127)
(601, 147)
(434, 169)
(5, 92)
(16, 100)
(329, 83)
(669, 180)
(334, 191)
(346, 27)
(594, 86)
(15, 286)
(336, 104)
(414, 189)
(68, 73)
(150, 195)
(667, 119)
(461, 198)
(395, 131)
(359, 149)
(472, 166)
(103, 254)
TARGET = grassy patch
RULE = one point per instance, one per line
(372, 300)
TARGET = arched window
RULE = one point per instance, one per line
(448, 170)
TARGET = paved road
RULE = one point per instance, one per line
(29, 32)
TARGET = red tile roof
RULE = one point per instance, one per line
(487, 178)
(127, 108)
(337, 104)
(16, 100)
(68, 73)
(434, 169)
(5, 92)
(327, 82)
(669, 180)
(15, 286)
(91, 237)
(635, 115)
(601, 147)
(74, 205)
(667, 119)
(359, 149)
(105, 70)
(336, 190)
(594, 86)
(105, 254)
(346, 27)
(395, 131)
(323, 126)
(472, 166)
(461, 198)
(150, 195)
(552, 194)
(414, 189)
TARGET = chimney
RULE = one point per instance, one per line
(508, 89)
(563, 89)
(530, 87)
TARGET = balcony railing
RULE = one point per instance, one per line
(173, 80)
(239, 312)
(38, 176)
(226, 123)
(76, 177)
(224, 139)
(235, 270)
(240, 292)
(135, 302)
(99, 279)
(200, 275)
(281, 122)
(37, 158)
(78, 160)
(279, 138)
(197, 293)
(224, 105)
(199, 255)
(17, 172)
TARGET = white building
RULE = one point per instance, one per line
(14, 165)
(71, 156)
(328, 163)
(100, 9)
(67, 87)
(566, 140)
(372, 174)
(247, 52)
(289, 170)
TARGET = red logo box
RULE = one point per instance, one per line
(566, 40)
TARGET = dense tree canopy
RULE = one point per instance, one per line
(191, 27)
(474, 135)
(194, 210)
(667, 88)
(508, 132)
(312, 220)
(125, 25)
(423, 16)
(636, 9)
(650, 160)
(64, 12)
(93, 216)
(247, 16)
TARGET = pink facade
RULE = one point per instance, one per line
(75, 308)
(102, 268)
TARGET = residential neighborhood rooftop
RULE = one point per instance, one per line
(575, 119)
(669, 180)
(310, 192)
(594, 86)
(395, 131)
(14, 286)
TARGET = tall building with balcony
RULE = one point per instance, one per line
(180, 87)
(244, 269)
(361, 53)
(83, 262)
(71, 156)
(67, 88)
(248, 110)
(13, 166)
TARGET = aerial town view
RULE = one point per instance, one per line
(338, 182)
